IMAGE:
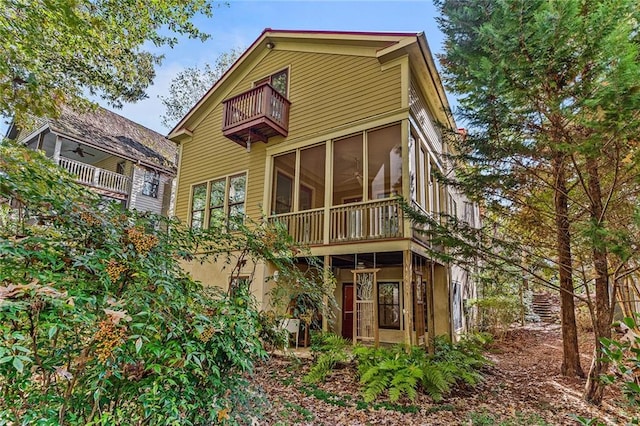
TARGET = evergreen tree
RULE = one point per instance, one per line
(551, 92)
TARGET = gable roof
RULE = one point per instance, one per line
(110, 132)
(385, 44)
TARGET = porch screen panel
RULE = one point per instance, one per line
(347, 170)
(283, 179)
(384, 148)
(365, 324)
(312, 172)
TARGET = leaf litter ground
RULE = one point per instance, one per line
(522, 387)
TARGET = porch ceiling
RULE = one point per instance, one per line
(369, 260)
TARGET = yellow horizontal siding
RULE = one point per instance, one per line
(211, 155)
(325, 90)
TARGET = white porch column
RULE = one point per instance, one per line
(56, 150)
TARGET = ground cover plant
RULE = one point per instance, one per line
(98, 322)
(522, 386)
(396, 372)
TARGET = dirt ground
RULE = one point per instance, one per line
(522, 387)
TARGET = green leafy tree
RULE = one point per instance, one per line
(550, 93)
(55, 52)
(191, 84)
(99, 324)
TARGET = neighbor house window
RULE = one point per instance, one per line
(151, 183)
(278, 80)
(218, 200)
(389, 305)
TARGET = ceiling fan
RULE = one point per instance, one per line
(80, 152)
(355, 174)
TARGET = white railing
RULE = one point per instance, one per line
(95, 176)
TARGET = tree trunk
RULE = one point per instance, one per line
(570, 355)
(602, 322)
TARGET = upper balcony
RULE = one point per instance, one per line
(256, 115)
(116, 184)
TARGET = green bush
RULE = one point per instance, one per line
(402, 373)
(99, 324)
(328, 350)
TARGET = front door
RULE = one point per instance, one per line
(347, 311)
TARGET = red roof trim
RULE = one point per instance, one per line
(327, 32)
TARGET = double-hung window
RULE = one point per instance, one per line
(218, 200)
(151, 183)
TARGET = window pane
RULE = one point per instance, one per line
(217, 193)
(216, 217)
(197, 205)
(237, 189)
(389, 305)
(384, 162)
(311, 191)
(279, 82)
(347, 170)
(284, 170)
(196, 219)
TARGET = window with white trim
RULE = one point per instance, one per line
(151, 183)
(218, 200)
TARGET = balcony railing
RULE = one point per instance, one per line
(96, 177)
(256, 115)
(305, 227)
(351, 222)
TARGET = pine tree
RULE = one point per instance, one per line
(550, 91)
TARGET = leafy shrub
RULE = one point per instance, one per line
(497, 312)
(271, 334)
(390, 369)
(99, 324)
(328, 349)
(402, 373)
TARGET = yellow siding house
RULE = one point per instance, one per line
(323, 131)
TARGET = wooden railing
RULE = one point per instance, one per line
(96, 177)
(261, 101)
(365, 221)
(305, 227)
(350, 222)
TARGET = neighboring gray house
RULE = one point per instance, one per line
(117, 158)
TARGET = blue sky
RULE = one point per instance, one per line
(242, 21)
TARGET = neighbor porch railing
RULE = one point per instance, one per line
(96, 177)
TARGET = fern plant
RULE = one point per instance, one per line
(328, 350)
(391, 370)
(401, 373)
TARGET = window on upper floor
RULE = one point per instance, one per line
(278, 80)
(219, 200)
(151, 183)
